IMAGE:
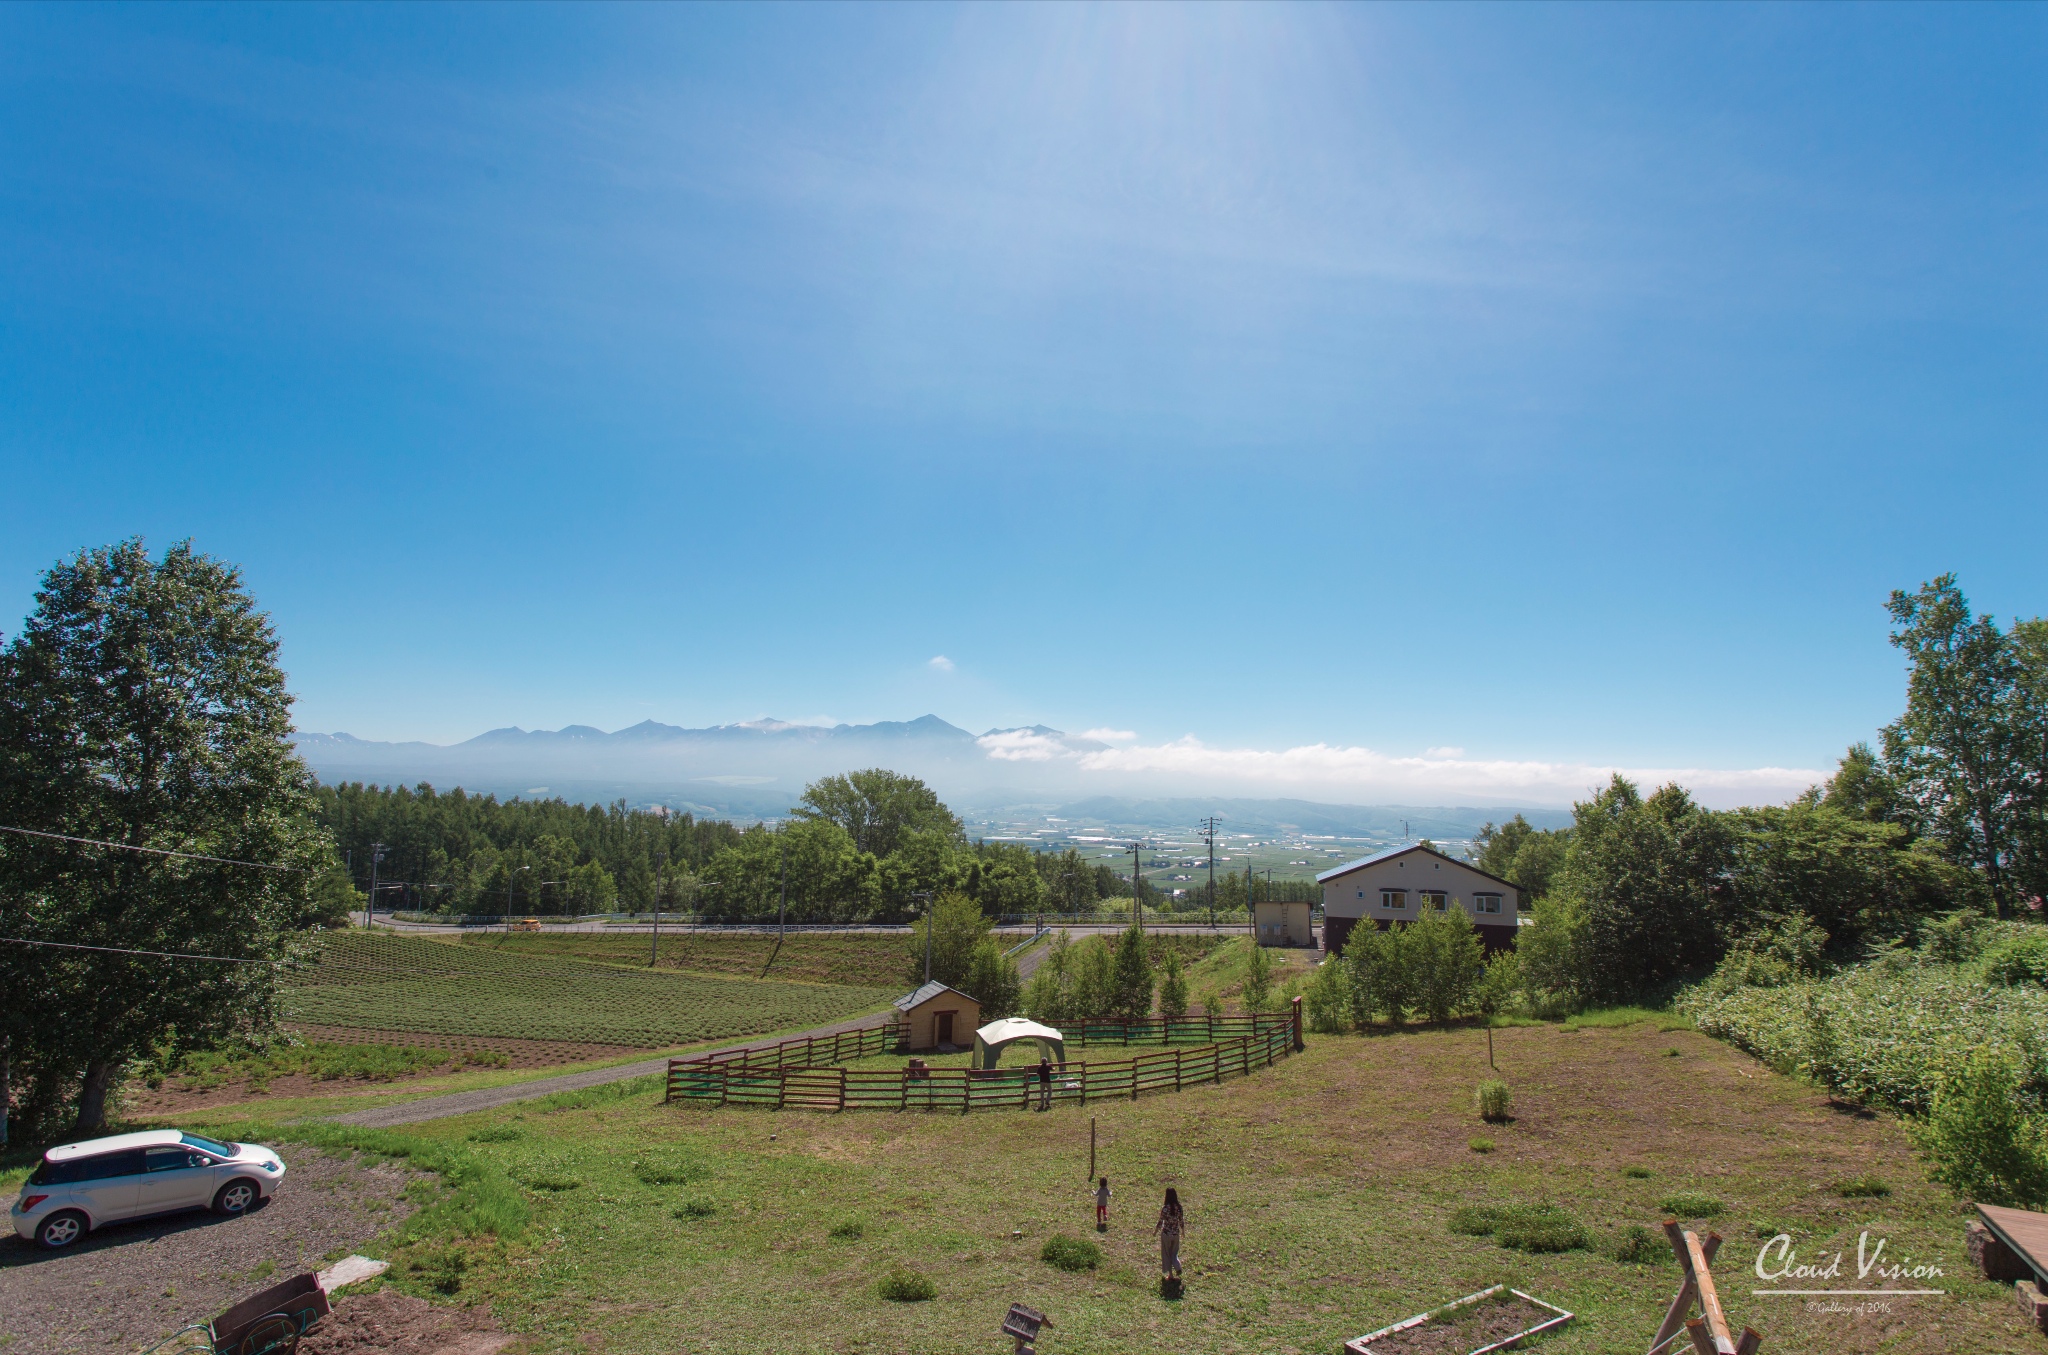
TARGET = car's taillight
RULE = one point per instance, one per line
(31, 1201)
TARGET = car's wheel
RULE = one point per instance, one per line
(61, 1229)
(235, 1197)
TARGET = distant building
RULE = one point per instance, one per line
(936, 1017)
(1282, 924)
(1398, 884)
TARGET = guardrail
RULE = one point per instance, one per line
(797, 1074)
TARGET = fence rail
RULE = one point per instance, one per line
(798, 1074)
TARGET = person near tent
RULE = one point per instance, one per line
(1172, 1223)
(1044, 1082)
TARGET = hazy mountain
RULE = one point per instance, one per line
(758, 768)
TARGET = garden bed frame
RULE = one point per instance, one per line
(798, 1074)
(1362, 1345)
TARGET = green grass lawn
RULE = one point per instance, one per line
(403, 983)
(1321, 1196)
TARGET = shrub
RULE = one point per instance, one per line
(1258, 980)
(544, 1181)
(1637, 1173)
(1480, 1145)
(1865, 1187)
(2021, 958)
(1637, 1246)
(853, 1230)
(1985, 1144)
(696, 1209)
(1493, 1101)
(1327, 999)
(1530, 1228)
(1070, 1254)
(1691, 1205)
(904, 1285)
(1956, 938)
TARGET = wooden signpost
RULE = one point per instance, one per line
(1022, 1324)
(1709, 1331)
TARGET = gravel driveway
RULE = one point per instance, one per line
(130, 1284)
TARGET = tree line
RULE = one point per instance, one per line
(1949, 810)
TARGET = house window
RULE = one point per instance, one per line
(1486, 903)
(1393, 898)
(1433, 898)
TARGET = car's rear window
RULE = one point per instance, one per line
(214, 1146)
(72, 1170)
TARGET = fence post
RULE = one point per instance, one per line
(1135, 1059)
(1298, 1046)
(1176, 1070)
(903, 1098)
(842, 1090)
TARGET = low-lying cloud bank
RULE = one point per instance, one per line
(1440, 776)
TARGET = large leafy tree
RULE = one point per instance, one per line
(1967, 753)
(879, 808)
(142, 704)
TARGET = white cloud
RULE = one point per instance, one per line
(1021, 745)
(1359, 771)
(1445, 751)
(941, 663)
(1109, 735)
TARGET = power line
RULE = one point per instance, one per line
(122, 950)
(154, 851)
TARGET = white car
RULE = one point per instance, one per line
(79, 1186)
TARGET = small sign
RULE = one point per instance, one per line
(1024, 1322)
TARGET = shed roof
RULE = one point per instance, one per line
(910, 1001)
(1390, 853)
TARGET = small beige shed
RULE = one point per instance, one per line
(1282, 924)
(936, 1016)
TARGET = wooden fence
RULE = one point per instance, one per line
(796, 1074)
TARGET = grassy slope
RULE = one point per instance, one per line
(1318, 1195)
(803, 957)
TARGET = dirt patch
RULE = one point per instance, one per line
(1467, 1329)
(390, 1323)
(130, 1284)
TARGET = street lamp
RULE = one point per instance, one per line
(926, 896)
(370, 904)
(511, 876)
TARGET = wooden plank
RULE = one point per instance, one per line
(1710, 1301)
(2023, 1230)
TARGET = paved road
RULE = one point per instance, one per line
(488, 1098)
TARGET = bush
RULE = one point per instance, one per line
(1865, 1187)
(1691, 1205)
(696, 1209)
(853, 1230)
(2018, 959)
(1070, 1254)
(1493, 1101)
(1985, 1143)
(1637, 1246)
(1637, 1173)
(1327, 999)
(1480, 1145)
(1530, 1228)
(549, 1182)
(904, 1285)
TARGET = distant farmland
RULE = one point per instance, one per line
(398, 983)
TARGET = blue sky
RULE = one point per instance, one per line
(1565, 386)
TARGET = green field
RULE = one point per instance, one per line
(399, 983)
(878, 961)
(1322, 1198)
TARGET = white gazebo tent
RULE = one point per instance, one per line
(993, 1038)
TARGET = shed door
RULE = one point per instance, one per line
(945, 1020)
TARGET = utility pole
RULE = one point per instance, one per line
(1137, 898)
(654, 949)
(1209, 832)
(370, 906)
(927, 934)
(782, 913)
(510, 877)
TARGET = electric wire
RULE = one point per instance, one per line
(123, 950)
(154, 851)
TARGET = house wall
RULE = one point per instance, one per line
(1354, 898)
(1282, 924)
(922, 1021)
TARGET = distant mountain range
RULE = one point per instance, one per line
(758, 768)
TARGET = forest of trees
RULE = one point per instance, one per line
(1949, 811)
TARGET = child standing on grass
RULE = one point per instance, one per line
(1102, 1204)
(1172, 1223)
